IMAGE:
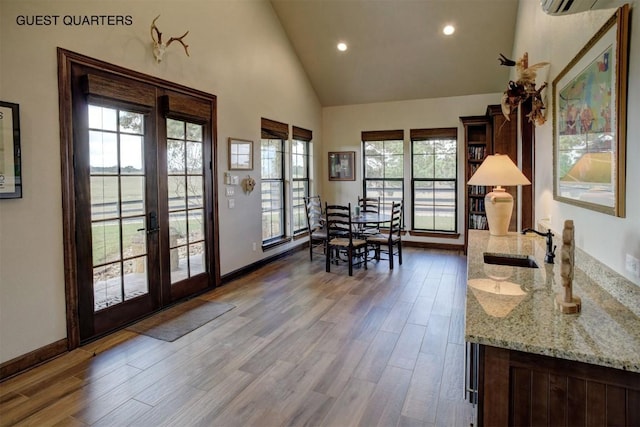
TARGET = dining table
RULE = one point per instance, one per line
(367, 224)
(370, 218)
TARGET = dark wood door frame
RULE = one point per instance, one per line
(66, 61)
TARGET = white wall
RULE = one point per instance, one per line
(558, 39)
(239, 52)
(342, 127)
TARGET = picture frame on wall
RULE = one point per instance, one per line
(589, 121)
(240, 154)
(342, 166)
(10, 154)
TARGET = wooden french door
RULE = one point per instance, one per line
(116, 215)
(139, 215)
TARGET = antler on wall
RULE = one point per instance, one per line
(159, 46)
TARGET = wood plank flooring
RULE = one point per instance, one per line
(302, 347)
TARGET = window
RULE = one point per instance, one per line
(274, 134)
(434, 179)
(383, 165)
(300, 149)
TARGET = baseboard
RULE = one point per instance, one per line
(256, 265)
(32, 359)
(432, 245)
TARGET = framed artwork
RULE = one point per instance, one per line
(342, 166)
(589, 121)
(10, 165)
(240, 154)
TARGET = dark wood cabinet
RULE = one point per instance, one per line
(477, 145)
(489, 134)
(504, 134)
(523, 389)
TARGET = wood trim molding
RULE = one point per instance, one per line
(271, 128)
(301, 134)
(120, 90)
(32, 359)
(382, 135)
(432, 245)
(422, 134)
(439, 235)
(256, 265)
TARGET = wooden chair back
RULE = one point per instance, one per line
(369, 204)
(313, 207)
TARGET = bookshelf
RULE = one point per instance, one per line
(477, 145)
(489, 134)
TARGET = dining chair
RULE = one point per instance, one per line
(315, 224)
(369, 205)
(391, 240)
(340, 238)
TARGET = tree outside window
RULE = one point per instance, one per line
(434, 179)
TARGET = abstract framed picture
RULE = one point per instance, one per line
(589, 122)
(10, 155)
(342, 166)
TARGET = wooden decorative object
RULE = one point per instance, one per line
(567, 303)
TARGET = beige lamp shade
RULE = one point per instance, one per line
(498, 170)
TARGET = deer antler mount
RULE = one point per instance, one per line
(159, 46)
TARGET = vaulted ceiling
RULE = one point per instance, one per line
(396, 48)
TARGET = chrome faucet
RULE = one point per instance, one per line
(551, 249)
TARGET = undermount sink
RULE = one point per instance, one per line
(514, 260)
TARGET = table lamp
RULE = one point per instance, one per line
(497, 170)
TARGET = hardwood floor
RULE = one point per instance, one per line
(302, 347)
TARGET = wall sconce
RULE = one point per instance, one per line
(498, 170)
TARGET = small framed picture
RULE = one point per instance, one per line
(10, 167)
(240, 154)
(342, 166)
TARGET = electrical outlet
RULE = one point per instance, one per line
(231, 203)
(255, 246)
(632, 265)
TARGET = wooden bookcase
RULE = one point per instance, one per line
(490, 134)
(477, 145)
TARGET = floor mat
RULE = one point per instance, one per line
(171, 324)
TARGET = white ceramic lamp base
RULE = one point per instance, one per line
(498, 205)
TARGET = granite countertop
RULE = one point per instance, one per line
(513, 307)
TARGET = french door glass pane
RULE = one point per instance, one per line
(195, 191)
(118, 205)
(176, 189)
(136, 282)
(104, 197)
(133, 196)
(131, 154)
(105, 241)
(103, 152)
(185, 192)
(194, 156)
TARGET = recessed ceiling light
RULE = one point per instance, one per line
(342, 46)
(448, 30)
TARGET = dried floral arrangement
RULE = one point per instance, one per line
(524, 88)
